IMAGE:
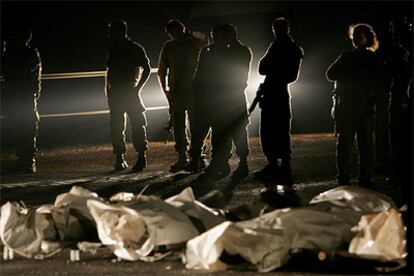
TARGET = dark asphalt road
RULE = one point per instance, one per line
(44, 187)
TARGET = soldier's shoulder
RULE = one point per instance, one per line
(402, 52)
(36, 52)
(298, 49)
(137, 46)
(31, 52)
(169, 42)
(246, 49)
(347, 54)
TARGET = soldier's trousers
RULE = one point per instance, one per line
(202, 121)
(349, 126)
(21, 127)
(221, 139)
(240, 139)
(179, 109)
(22, 130)
(130, 104)
(275, 134)
(382, 138)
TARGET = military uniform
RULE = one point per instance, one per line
(179, 57)
(398, 72)
(358, 74)
(121, 80)
(204, 105)
(219, 83)
(280, 65)
(22, 71)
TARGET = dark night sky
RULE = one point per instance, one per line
(71, 36)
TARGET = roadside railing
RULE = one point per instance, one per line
(80, 75)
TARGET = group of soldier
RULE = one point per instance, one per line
(205, 85)
(372, 97)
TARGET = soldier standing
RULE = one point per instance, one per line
(397, 68)
(219, 83)
(359, 75)
(280, 65)
(124, 81)
(178, 60)
(232, 74)
(22, 71)
(205, 87)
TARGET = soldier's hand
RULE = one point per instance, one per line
(167, 94)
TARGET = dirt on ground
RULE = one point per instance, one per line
(91, 167)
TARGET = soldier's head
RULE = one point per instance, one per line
(231, 31)
(280, 26)
(175, 29)
(117, 30)
(20, 36)
(220, 34)
(363, 36)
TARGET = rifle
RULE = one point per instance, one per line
(335, 109)
(169, 127)
(257, 99)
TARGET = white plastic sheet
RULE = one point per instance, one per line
(136, 227)
(24, 230)
(49, 228)
(187, 203)
(381, 236)
(266, 242)
(356, 198)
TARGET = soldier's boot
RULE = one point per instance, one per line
(193, 166)
(343, 180)
(364, 180)
(120, 163)
(181, 162)
(25, 165)
(242, 170)
(203, 162)
(218, 170)
(271, 169)
(286, 173)
(141, 163)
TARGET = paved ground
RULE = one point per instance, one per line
(90, 167)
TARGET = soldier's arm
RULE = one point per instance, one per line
(107, 84)
(248, 56)
(199, 39)
(198, 70)
(297, 61)
(265, 62)
(336, 69)
(162, 70)
(146, 70)
(37, 72)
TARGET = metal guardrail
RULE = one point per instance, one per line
(79, 75)
(75, 75)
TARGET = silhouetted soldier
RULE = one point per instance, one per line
(206, 101)
(21, 68)
(219, 85)
(178, 60)
(396, 63)
(232, 74)
(359, 76)
(124, 81)
(280, 65)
